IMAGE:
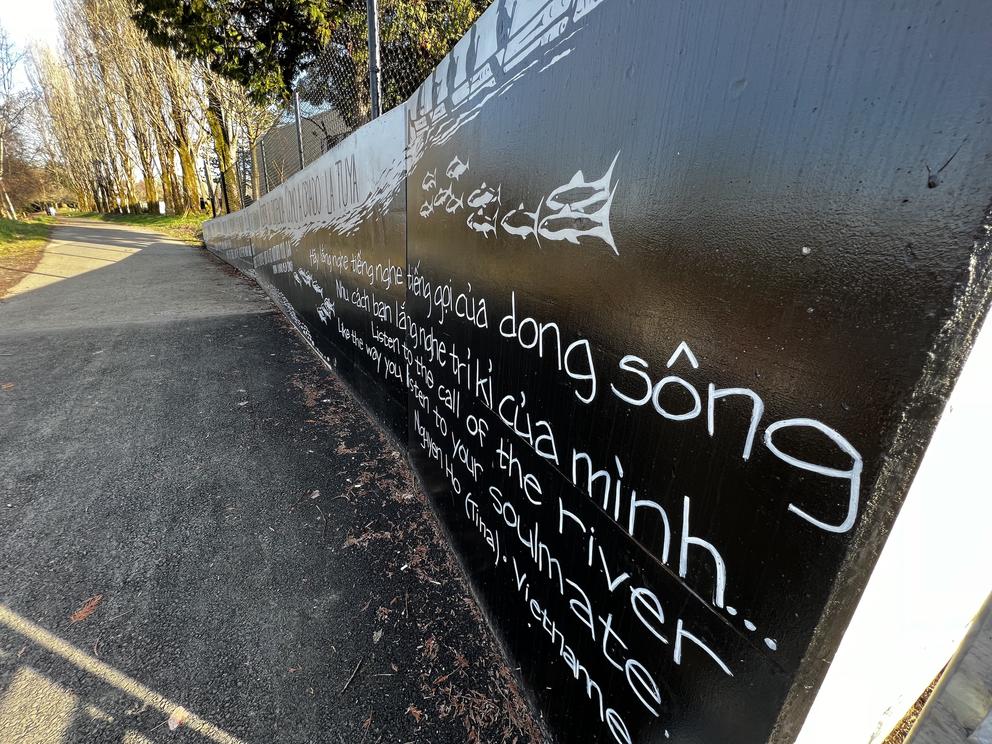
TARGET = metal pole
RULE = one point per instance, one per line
(239, 176)
(374, 80)
(265, 167)
(299, 128)
(210, 187)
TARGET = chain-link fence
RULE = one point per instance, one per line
(334, 96)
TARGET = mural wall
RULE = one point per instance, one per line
(667, 299)
(329, 246)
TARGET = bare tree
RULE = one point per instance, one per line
(12, 108)
(120, 112)
(254, 121)
(224, 131)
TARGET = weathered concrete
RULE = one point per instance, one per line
(960, 709)
(262, 556)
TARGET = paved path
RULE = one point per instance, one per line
(69, 255)
(199, 526)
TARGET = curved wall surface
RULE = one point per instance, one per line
(666, 299)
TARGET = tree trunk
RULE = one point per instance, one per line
(6, 197)
(3, 189)
(97, 198)
(191, 182)
(170, 194)
(147, 171)
(151, 197)
(256, 179)
(224, 148)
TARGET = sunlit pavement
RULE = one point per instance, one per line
(34, 708)
(64, 258)
(162, 580)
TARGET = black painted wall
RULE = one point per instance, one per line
(329, 245)
(668, 299)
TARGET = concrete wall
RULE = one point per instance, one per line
(667, 300)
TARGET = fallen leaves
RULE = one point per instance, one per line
(430, 648)
(89, 606)
(343, 449)
(363, 540)
(178, 718)
(416, 712)
(7, 386)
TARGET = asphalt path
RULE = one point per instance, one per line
(203, 538)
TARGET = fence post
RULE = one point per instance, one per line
(239, 176)
(210, 188)
(265, 167)
(299, 128)
(374, 81)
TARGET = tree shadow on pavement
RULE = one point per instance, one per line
(189, 498)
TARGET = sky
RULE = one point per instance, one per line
(29, 20)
